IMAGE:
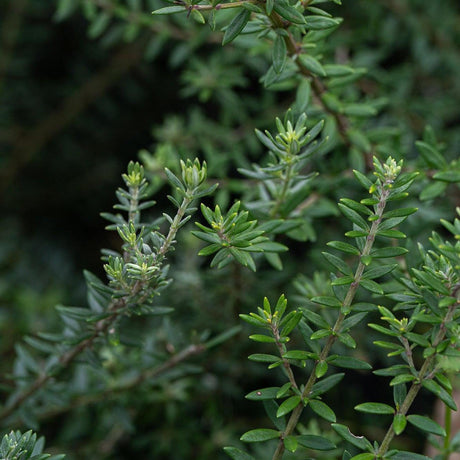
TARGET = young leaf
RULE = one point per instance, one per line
(290, 443)
(322, 409)
(399, 423)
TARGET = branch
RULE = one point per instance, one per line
(147, 374)
(296, 413)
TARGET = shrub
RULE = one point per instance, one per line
(351, 306)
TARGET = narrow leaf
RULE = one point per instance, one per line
(426, 424)
(259, 435)
(236, 26)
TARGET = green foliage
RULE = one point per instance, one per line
(18, 446)
(336, 204)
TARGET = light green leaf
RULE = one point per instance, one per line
(237, 454)
(262, 338)
(359, 441)
(364, 456)
(344, 247)
(315, 442)
(290, 443)
(348, 362)
(264, 358)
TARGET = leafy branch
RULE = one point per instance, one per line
(135, 277)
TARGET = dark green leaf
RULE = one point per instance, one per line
(401, 212)
(236, 26)
(348, 362)
(298, 354)
(279, 54)
(399, 423)
(359, 441)
(426, 424)
(433, 190)
(377, 272)
(375, 408)
(338, 263)
(433, 158)
(264, 358)
(363, 180)
(324, 385)
(259, 435)
(288, 12)
(359, 110)
(344, 247)
(322, 409)
(371, 286)
(385, 253)
(329, 301)
(315, 22)
(315, 318)
(263, 393)
(353, 216)
(315, 442)
(441, 393)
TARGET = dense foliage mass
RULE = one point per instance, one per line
(296, 205)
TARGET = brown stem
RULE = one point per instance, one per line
(423, 375)
(296, 413)
(318, 86)
(147, 374)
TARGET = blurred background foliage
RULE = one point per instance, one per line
(87, 85)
